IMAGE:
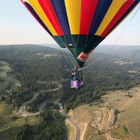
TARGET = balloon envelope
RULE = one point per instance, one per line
(80, 25)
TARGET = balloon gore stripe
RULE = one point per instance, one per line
(117, 17)
(60, 11)
(88, 8)
(126, 13)
(100, 12)
(50, 13)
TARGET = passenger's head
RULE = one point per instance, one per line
(76, 67)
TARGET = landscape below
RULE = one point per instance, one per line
(36, 101)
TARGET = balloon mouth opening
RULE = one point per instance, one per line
(80, 63)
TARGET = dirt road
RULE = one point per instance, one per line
(84, 131)
(76, 127)
(22, 112)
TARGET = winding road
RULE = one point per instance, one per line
(22, 112)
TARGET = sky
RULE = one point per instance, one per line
(17, 26)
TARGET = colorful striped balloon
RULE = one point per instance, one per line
(80, 25)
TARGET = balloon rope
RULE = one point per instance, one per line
(84, 68)
(126, 27)
(137, 10)
(66, 56)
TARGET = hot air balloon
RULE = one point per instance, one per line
(80, 25)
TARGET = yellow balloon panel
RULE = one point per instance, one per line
(112, 11)
(73, 9)
(36, 6)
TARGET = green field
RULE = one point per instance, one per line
(7, 80)
(10, 124)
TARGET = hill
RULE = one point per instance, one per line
(116, 117)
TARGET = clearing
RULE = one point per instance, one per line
(6, 79)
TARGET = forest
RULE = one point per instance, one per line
(44, 74)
